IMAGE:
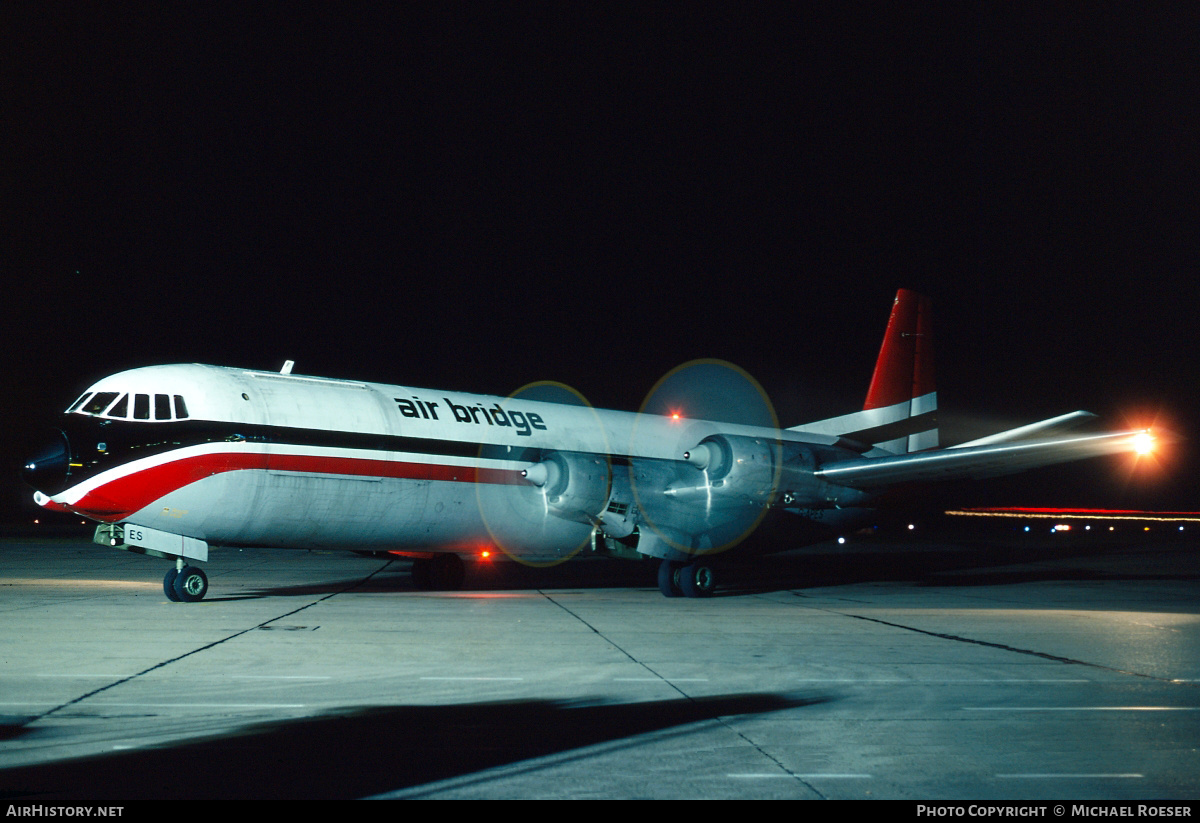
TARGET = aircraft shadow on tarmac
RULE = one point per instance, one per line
(970, 562)
(950, 562)
(368, 751)
(592, 573)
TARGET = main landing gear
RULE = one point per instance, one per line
(442, 572)
(694, 579)
(185, 584)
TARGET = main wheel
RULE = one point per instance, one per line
(697, 580)
(191, 584)
(169, 585)
(447, 572)
(668, 578)
(421, 574)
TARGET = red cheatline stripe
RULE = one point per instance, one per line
(123, 496)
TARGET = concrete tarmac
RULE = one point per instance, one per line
(967, 667)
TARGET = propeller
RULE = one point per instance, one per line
(711, 389)
(685, 500)
(557, 497)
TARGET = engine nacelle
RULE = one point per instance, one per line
(770, 471)
(575, 486)
(799, 487)
(738, 466)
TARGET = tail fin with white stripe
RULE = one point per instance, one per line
(900, 414)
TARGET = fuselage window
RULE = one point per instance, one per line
(141, 407)
(79, 402)
(180, 408)
(120, 408)
(99, 402)
(162, 407)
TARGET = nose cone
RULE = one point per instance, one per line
(48, 468)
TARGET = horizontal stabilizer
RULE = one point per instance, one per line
(977, 462)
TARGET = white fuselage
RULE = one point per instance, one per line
(256, 458)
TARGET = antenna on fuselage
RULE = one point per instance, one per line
(287, 367)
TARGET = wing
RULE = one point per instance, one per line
(976, 462)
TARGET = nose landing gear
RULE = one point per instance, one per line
(185, 584)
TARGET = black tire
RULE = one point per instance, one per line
(421, 574)
(191, 584)
(668, 578)
(697, 580)
(169, 585)
(447, 572)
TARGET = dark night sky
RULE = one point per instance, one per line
(475, 199)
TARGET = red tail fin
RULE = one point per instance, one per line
(904, 370)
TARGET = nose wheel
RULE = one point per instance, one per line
(187, 584)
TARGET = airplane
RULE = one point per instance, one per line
(173, 459)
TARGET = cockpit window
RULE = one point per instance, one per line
(166, 406)
(120, 408)
(99, 402)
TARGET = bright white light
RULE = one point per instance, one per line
(1143, 442)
